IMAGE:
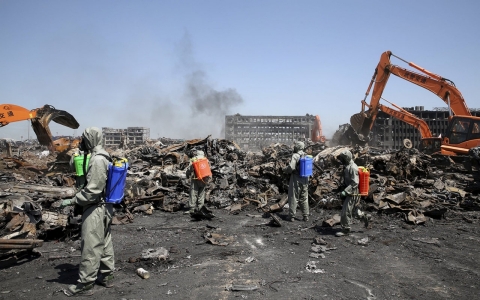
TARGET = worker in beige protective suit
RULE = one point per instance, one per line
(97, 262)
(298, 186)
(197, 186)
(350, 194)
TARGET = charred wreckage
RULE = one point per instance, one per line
(407, 183)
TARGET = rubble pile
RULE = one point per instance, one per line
(409, 183)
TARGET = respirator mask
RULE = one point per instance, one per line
(82, 146)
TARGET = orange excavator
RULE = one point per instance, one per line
(463, 132)
(40, 118)
(429, 144)
(317, 134)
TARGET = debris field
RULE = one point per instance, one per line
(421, 244)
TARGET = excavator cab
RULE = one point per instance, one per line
(430, 145)
(463, 133)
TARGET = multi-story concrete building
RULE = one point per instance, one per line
(112, 137)
(131, 135)
(137, 135)
(389, 132)
(255, 132)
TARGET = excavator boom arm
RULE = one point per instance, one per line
(40, 118)
(442, 88)
(408, 118)
(13, 113)
(362, 123)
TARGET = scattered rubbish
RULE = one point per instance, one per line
(240, 287)
(249, 259)
(158, 254)
(332, 221)
(318, 248)
(319, 241)
(321, 248)
(370, 296)
(363, 242)
(19, 243)
(433, 241)
(408, 183)
(143, 273)
(218, 239)
(312, 267)
(317, 255)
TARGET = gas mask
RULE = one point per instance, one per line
(82, 146)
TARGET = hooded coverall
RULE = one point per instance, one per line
(298, 186)
(96, 247)
(350, 205)
(197, 186)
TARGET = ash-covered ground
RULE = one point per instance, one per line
(256, 260)
(422, 243)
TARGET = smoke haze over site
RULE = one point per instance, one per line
(178, 67)
(195, 110)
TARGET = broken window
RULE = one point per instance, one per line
(475, 130)
(459, 131)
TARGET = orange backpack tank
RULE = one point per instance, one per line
(364, 181)
(201, 168)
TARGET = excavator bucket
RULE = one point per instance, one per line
(357, 121)
(46, 114)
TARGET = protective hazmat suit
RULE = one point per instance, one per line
(350, 194)
(298, 186)
(197, 186)
(97, 248)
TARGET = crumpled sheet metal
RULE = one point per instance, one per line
(252, 173)
(405, 181)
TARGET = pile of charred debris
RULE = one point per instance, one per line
(410, 184)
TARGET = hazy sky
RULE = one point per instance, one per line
(179, 66)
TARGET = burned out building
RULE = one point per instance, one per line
(389, 133)
(131, 135)
(255, 132)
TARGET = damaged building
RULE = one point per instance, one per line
(256, 132)
(131, 135)
(389, 132)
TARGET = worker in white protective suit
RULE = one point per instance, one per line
(97, 261)
(350, 195)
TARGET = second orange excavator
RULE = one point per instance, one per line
(463, 132)
(40, 118)
(429, 144)
(317, 134)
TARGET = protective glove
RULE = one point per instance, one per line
(66, 202)
(343, 195)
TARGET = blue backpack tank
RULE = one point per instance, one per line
(306, 166)
(116, 180)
